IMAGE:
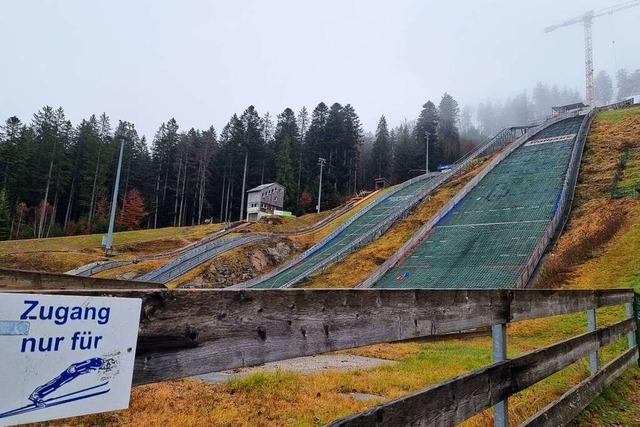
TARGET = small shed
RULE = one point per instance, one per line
(263, 200)
(382, 183)
(565, 108)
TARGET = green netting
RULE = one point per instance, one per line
(487, 238)
(376, 215)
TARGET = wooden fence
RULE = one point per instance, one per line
(192, 331)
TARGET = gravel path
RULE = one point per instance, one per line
(305, 365)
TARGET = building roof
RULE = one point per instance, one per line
(263, 186)
(569, 107)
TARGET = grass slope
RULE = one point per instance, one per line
(59, 254)
(606, 256)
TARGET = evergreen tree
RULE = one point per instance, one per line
(267, 128)
(426, 128)
(287, 132)
(603, 88)
(381, 151)
(5, 216)
(447, 132)
(315, 147)
(352, 140)
(406, 153)
(285, 172)
(255, 154)
(163, 151)
(303, 125)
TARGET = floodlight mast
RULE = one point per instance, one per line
(587, 22)
(108, 247)
(321, 163)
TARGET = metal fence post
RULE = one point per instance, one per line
(499, 335)
(636, 315)
(593, 356)
(631, 336)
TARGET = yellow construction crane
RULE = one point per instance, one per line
(587, 21)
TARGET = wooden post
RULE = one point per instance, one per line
(593, 356)
(499, 335)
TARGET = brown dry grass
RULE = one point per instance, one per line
(287, 399)
(595, 219)
(52, 262)
(132, 270)
(59, 254)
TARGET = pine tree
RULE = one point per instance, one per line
(163, 151)
(287, 132)
(285, 172)
(254, 151)
(447, 132)
(350, 148)
(303, 126)
(314, 147)
(405, 153)
(426, 129)
(5, 217)
(603, 88)
(381, 151)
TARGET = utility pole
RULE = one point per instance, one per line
(426, 162)
(244, 184)
(108, 243)
(321, 163)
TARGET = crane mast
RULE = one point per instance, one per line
(588, 57)
(587, 22)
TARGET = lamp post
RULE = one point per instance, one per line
(426, 162)
(108, 243)
(321, 163)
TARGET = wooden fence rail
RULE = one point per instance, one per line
(194, 331)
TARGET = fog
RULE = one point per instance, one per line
(201, 61)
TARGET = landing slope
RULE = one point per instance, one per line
(486, 239)
(380, 213)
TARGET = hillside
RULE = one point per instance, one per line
(600, 249)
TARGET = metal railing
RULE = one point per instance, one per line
(487, 147)
(179, 266)
(561, 214)
(426, 229)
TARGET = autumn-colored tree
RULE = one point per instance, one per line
(132, 211)
(21, 211)
(306, 200)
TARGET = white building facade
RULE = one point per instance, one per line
(265, 199)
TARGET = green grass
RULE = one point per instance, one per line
(91, 241)
(616, 116)
(289, 399)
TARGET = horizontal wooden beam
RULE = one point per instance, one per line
(560, 412)
(456, 400)
(529, 304)
(191, 331)
(38, 280)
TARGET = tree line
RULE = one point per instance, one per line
(490, 116)
(57, 178)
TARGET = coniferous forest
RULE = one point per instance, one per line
(57, 177)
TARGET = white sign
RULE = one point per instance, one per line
(63, 356)
(550, 139)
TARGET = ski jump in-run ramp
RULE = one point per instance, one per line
(494, 233)
(375, 219)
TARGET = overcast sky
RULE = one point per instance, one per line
(200, 61)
